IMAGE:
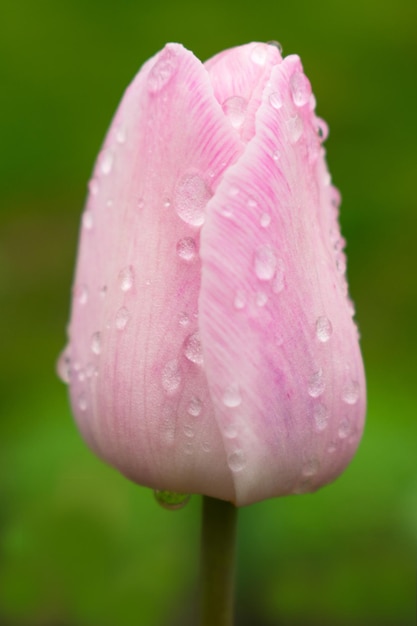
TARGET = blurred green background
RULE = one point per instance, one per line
(79, 545)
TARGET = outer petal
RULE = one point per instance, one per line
(137, 384)
(281, 349)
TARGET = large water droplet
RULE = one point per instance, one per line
(126, 276)
(171, 376)
(265, 262)
(350, 393)
(171, 500)
(316, 384)
(122, 318)
(324, 328)
(235, 110)
(163, 70)
(236, 460)
(191, 197)
(231, 396)
(96, 342)
(275, 100)
(321, 416)
(194, 406)
(259, 54)
(300, 89)
(192, 348)
(295, 128)
(186, 249)
(106, 161)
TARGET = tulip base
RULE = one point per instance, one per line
(218, 552)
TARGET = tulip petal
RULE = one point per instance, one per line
(138, 387)
(280, 346)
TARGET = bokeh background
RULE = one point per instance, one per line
(79, 544)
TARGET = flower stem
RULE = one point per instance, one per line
(218, 550)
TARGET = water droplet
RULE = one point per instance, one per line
(231, 396)
(295, 128)
(103, 291)
(194, 406)
(235, 110)
(322, 129)
(312, 102)
(259, 54)
(184, 320)
(261, 299)
(81, 294)
(344, 429)
(265, 220)
(236, 461)
(324, 328)
(122, 318)
(332, 448)
(88, 219)
(252, 204)
(64, 366)
(126, 276)
(278, 282)
(311, 467)
(230, 430)
(140, 203)
(81, 376)
(316, 384)
(82, 402)
(96, 342)
(275, 100)
(300, 89)
(350, 393)
(163, 70)
(276, 155)
(186, 249)
(121, 134)
(188, 431)
(206, 446)
(90, 370)
(240, 300)
(171, 376)
(106, 162)
(341, 263)
(93, 186)
(109, 203)
(189, 448)
(276, 45)
(321, 416)
(171, 500)
(191, 197)
(167, 203)
(192, 348)
(265, 263)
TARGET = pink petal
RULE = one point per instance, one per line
(281, 350)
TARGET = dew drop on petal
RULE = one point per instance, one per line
(96, 342)
(192, 348)
(321, 416)
(259, 54)
(188, 431)
(231, 396)
(235, 110)
(276, 45)
(126, 276)
(265, 263)
(103, 291)
(300, 89)
(322, 129)
(163, 70)
(64, 366)
(350, 393)
(324, 328)
(191, 197)
(261, 299)
(183, 319)
(81, 294)
(140, 203)
(106, 162)
(344, 429)
(186, 249)
(82, 402)
(275, 100)
(88, 219)
(194, 407)
(122, 318)
(171, 376)
(240, 300)
(236, 461)
(171, 500)
(316, 384)
(206, 446)
(265, 220)
(93, 186)
(121, 134)
(230, 430)
(311, 467)
(278, 282)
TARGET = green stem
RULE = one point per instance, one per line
(218, 550)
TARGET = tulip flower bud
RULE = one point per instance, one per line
(211, 344)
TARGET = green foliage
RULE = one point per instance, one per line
(79, 544)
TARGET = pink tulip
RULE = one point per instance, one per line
(211, 345)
